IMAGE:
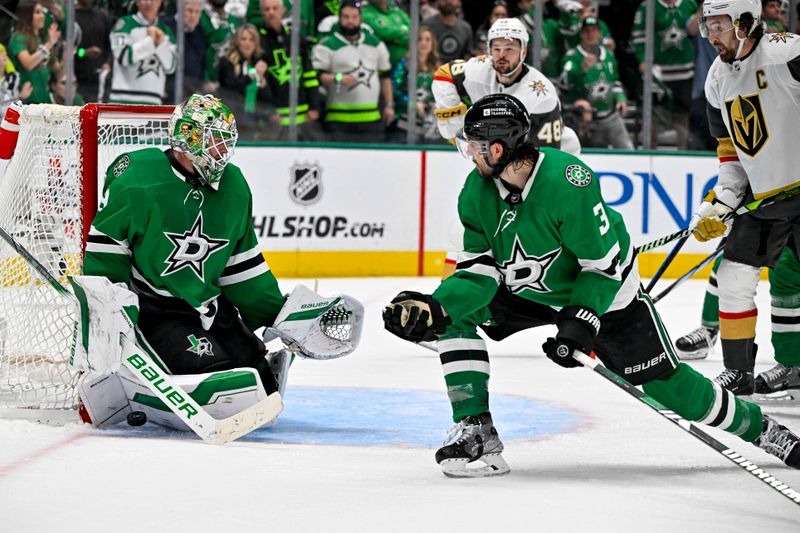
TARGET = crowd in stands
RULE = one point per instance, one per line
(354, 61)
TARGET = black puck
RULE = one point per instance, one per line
(136, 418)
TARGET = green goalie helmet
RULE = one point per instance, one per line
(204, 129)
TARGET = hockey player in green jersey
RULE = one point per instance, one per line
(540, 246)
(176, 227)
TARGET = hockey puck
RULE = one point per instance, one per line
(136, 418)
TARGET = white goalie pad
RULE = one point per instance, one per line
(107, 310)
(318, 327)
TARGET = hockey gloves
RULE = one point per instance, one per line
(577, 328)
(415, 317)
(711, 220)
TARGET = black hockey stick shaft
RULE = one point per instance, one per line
(716, 253)
(672, 254)
(32, 261)
(690, 428)
(746, 208)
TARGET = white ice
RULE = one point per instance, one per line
(624, 469)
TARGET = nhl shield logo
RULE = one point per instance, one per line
(305, 186)
(747, 125)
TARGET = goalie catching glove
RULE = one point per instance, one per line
(415, 317)
(711, 220)
(577, 328)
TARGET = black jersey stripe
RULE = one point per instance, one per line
(785, 319)
(464, 355)
(99, 238)
(483, 259)
(247, 264)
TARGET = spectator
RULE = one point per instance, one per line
(275, 40)
(195, 49)
(144, 54)
(94, 48)
(573, 12)
(307, 14)
(453, 34)
(590, 72)
(427, 63)
(673, 59)
(391, 25)
(700, 137)
(11, 88)
(354, 67)
(58, 86)
(219, 27)
(243, 84)
(552, 40)
(772, 15)
(480, 40)
(33, 55)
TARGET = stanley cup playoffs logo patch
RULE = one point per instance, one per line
(305, 185)
(746, 123)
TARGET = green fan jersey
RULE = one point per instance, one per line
(556, 242)
(674, 53)
(160, 234)
(599, 83)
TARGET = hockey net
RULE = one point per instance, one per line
(48, 197)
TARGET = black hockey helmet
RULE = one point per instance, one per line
(494, 118)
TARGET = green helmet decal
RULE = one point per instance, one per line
(204, 129)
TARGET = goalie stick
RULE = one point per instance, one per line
(746, 208)
(690, 428)
(164, 388)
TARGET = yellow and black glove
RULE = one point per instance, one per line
(711, 220)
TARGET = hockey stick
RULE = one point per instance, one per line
(716, 253)
(162, 386)
(746, 208)
(672, 254)
(690, 428)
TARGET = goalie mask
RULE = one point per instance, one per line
(204, 129)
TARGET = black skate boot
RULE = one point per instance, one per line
(780, 442)
(697, 344)
(779, 383)
(473, 449)
(738, 382)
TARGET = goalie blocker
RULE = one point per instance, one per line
(120, 377)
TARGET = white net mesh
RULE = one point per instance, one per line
(41, 195)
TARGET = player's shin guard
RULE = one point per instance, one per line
(465, 363)
(737, 314)
(696, 398)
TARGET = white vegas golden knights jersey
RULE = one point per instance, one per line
(752, 107)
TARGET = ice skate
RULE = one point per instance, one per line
(473, 449)
(779, 383)
(780, 442)
(738, 382)
(697, 344)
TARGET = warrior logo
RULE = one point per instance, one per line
(191, 249)
(201, 346)
(523, 271)
(746, 123)
(305, 187)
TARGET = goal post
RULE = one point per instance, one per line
(48, 198)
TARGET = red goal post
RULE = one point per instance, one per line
(48, 198)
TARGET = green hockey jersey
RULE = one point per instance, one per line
(161, 235)
(674, 53)
(556, 242)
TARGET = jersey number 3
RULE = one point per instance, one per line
(604, 223)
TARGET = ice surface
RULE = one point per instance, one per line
(617, 466)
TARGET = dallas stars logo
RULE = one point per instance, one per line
(577, 175)
(201, 346)
(538, 87)
(192, 249)
(523, 271)
(282, 69)
(673, 37)
(151, 64)
(362, 74)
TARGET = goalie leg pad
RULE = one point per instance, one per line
(104, 398)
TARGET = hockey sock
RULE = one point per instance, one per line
(697, 398)
(784, 289)
(710, 315)
(465, 363)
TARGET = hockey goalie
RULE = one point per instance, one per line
(176, 287)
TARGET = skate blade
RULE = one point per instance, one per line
(691, 356)
(491, 464)
(783, 397)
